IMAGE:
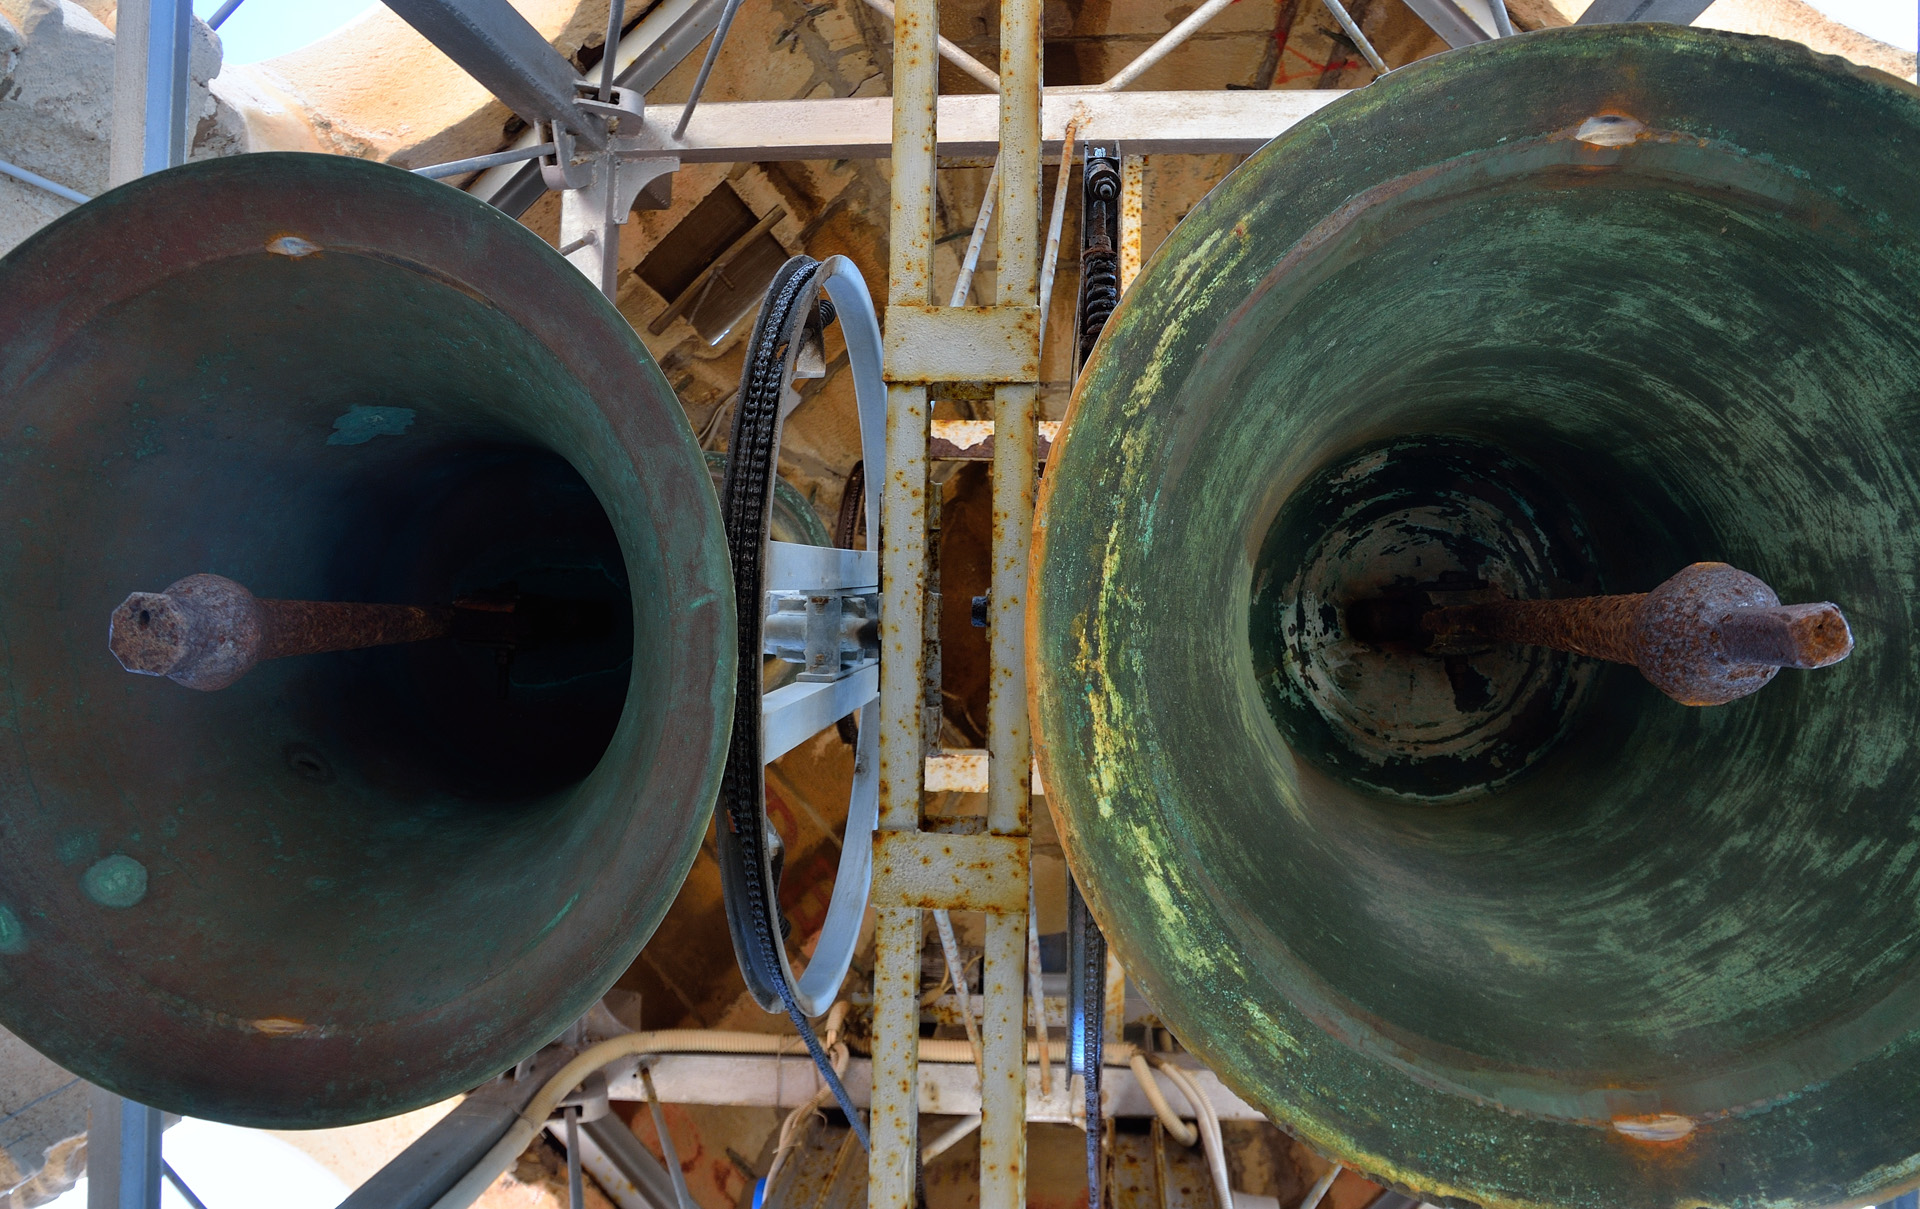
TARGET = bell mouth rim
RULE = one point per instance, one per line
(1095, 783)
(262, 205)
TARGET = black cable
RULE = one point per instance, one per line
(746, 504)
(1087, 1005)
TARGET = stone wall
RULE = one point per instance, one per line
(43, 1126)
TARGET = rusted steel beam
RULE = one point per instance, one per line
(1709, 635)
(926, 870)
(893, 1161)
(206, 631)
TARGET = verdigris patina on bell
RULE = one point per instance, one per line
(1569, 312)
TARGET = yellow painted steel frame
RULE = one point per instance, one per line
(910, 366)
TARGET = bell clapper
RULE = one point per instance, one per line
(206, 631)
(1709, 635)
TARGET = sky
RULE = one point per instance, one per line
(233, 1168)
(261, 29)
(1895, 22)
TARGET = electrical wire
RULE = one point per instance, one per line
(540, 1108)
(1179, 1130)
(1208, 1124)
(789, 1137)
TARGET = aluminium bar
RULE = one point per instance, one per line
(963, 994)
(221, 14)
(706, 65)
(968, 263)
(949, 51)
(1358, 38)
(1167, 43)
(625, 1170)
(1672, 12)
(502, 50)
(1145, 123)
(123, 1152)
(669, 1158)
(610, 48)
(1448, 19)
(670, 32)
(150, 53)
(180, 1186)
(792, 567)
(481, 163)
(40, 182)
(794, 713)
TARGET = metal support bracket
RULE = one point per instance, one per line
(599, 196)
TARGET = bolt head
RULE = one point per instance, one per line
(149, 633)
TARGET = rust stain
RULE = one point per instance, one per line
(292, 246)
(1662, 1128)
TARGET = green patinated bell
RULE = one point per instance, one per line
(1555, 315)
(350, 883)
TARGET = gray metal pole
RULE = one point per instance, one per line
(123, 1153)
(151, 44)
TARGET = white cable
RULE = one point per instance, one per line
(949, 51)
(1181, 1132)
(790, 1128)
(533, 1117)
(1209, 1126)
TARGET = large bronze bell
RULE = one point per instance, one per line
(1550, 317)
(349, 884)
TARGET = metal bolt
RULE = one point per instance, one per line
(1709, 635)
(207, 631)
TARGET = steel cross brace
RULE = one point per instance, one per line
(504, 52)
